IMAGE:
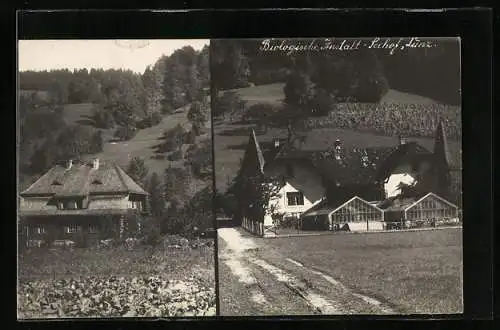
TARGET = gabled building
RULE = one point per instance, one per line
(332, 177)
(80, 200)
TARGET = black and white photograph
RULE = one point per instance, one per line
(115, 180)
(338, 169)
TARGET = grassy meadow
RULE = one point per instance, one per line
(143, 144)
(416, 272)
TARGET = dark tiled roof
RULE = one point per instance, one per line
(354, 166)
(398, 203)
(81, 180)
(408, 152)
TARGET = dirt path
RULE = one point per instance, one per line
(254, 280)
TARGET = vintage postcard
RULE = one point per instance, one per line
(338, 175)
(114, 179)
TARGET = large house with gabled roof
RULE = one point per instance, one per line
(79, 200)
(315, 184)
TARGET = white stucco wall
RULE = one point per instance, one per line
(96, 202)
(109, 202)
(402, 174)
(304, 180)
(35, 203)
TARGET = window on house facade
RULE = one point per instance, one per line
(72, 229)
(135, 205)
(93, 228)
(39, 229)
(295, 198)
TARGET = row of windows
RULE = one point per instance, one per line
(78, 205)
(431, 213)
(68, 229)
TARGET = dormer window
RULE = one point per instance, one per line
(70, 204)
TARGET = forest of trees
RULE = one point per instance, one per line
(361, 76)
(172, 207)
(120, 99)
(340, 89)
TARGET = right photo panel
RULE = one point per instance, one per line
(338, 167)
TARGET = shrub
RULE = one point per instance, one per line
(125, 133)
(175, 156)
(190, 137)
(156, 118)
(148, 230)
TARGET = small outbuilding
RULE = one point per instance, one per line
(355, 214)
(417, 211)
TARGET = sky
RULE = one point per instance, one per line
(133, 55)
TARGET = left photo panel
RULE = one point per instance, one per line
(115, 179)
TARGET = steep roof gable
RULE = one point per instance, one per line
(408, 152)
(253, 155)
(354, 166)
(441, 145)
(80, 180)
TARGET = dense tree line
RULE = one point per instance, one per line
(172, 205)
(360, 76)
(121, 100)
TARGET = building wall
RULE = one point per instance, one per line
(36, 203)
(96, 203)
(109, 202)
(402, 174)
(366, 226)
(304, 180)
(54, 228)
(405, 174)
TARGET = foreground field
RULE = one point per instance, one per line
(145, 281)
(385, 273)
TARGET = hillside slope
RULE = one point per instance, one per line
(141, 145)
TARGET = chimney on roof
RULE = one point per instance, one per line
(69, 164)
(95, 164)
(337, 149)
(402, 140)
